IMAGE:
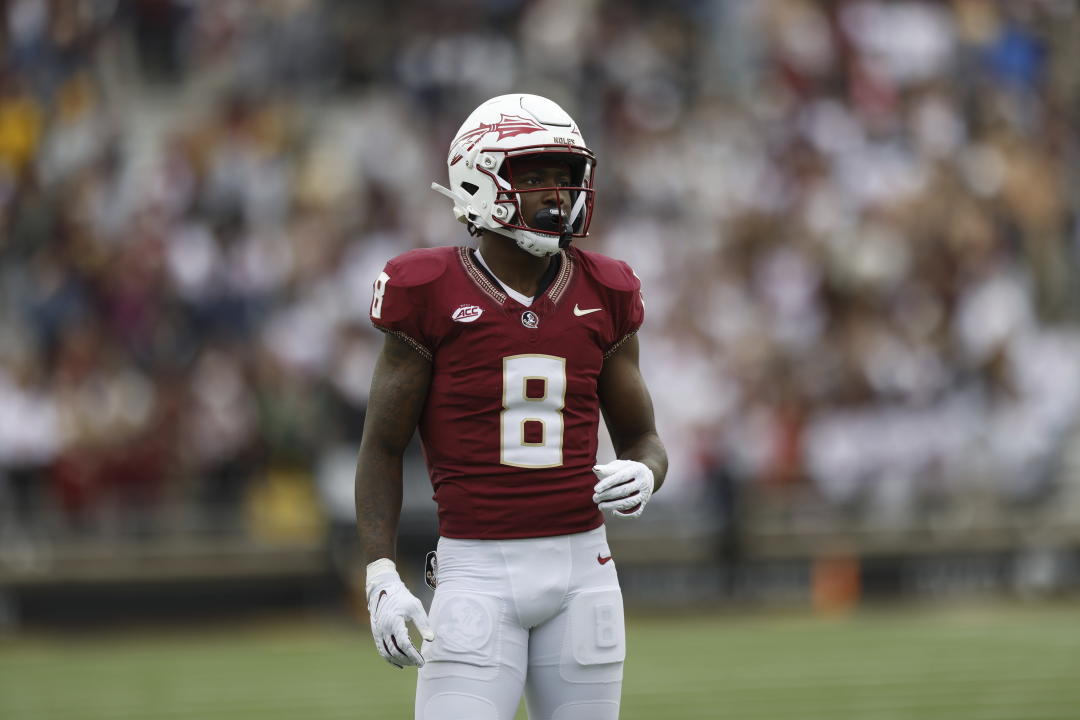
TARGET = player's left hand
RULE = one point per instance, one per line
(624, 487)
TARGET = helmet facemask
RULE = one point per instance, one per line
(555, 224)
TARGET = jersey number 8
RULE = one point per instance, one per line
(377, 295)
(534, 394)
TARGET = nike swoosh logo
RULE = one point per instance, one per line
(379, 601)
(602, 560)
(579, 312)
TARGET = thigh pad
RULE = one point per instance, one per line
(595, 644)
(468, 634)
(458, 706)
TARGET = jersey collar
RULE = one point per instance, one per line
(553, 284)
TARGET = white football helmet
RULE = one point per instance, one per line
(482, 186)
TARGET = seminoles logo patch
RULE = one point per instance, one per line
(507, 126)
(431, 569)
(467, 313)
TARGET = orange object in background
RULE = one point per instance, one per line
(836, 585)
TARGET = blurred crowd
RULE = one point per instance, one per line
(855, 222)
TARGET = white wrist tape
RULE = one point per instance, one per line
(382, 566)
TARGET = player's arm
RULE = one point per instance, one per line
(399, 387)
(625, 485)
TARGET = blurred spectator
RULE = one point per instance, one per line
(856, 225)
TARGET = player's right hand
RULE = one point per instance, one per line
(390, 604)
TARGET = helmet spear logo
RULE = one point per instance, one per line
(507, 126)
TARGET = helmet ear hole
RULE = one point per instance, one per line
(470, 187)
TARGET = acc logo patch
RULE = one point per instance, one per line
(467, 313)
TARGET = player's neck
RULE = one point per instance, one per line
(520, 270)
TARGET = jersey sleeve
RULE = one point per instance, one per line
(630, 315)
(399, 301)
(629, 307)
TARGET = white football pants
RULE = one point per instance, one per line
(540, 614)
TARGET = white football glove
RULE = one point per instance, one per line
(390, 604)
(624, 487)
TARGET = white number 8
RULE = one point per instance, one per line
(534, 393)
(380, 290)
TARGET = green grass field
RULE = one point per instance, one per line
(955, 664)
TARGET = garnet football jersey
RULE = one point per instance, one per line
(509, 428)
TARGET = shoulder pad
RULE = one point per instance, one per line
(609, 272)
(419, 267)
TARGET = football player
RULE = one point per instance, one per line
(505, 357)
